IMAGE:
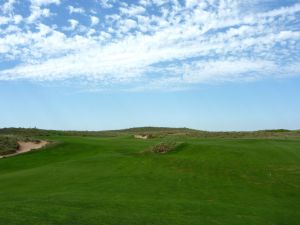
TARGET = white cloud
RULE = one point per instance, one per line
(94, 20)
(17, 19)
(37, 13)
(38, 10)
(75, 10)
(127, 25)
(145, 2)
(4, 20)
(44, 2)
(73, 23)
(200, 42)
(160, 2)
(226, 70)
(106, 3)
(133, 10)
(8, 6)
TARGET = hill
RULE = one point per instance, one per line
(155, 132)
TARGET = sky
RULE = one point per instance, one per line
(108, 64)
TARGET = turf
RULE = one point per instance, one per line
(108, 181)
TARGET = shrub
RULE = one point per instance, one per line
(8, 145)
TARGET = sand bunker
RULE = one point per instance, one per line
(143, 136)
(26, 146)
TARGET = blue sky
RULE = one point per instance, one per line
(107, 64)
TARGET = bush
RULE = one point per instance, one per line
(8, 145)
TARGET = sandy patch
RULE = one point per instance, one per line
(142, 136)
(26, 146)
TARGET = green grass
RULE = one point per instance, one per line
(107, 181)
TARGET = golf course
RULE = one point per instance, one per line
(150, 112)
(174, 177)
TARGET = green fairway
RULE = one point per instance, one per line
(112, 181)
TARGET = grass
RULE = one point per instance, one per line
(106, 181)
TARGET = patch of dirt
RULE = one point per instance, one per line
(26, 146)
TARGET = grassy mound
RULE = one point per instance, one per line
(164, 147)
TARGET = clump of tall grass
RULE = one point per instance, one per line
(163, 147)
(8, 145)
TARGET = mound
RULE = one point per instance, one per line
(164, 147)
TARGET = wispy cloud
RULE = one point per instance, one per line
(106, 3)
(73, 9)
(155, 44)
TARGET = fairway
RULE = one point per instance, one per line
(110, 181)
